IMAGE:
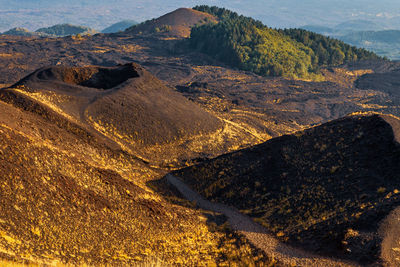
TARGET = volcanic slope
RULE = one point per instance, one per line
(267, 107)
(71, 196)
(326, 188)
(133, 109)
(174, 24)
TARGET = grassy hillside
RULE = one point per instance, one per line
(177, 23)
(248, 44)
(326, 188)
(70, 195)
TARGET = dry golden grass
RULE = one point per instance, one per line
(85, 204)
(15, 55)
(390, 232)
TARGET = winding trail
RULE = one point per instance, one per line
(257, 234)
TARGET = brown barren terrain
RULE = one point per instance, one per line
(90, 124)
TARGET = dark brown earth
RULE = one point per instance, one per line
(93, 130)
(387, 83)
(326, 188)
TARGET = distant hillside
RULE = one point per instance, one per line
(177, 23)
(326, 188)
(362, 37)
(66, 30)
(318, 29)
(119, 26)
(22, 32)
(349, 27)
(358, 25)
(385, 43)
(59, 30)
(249, 45)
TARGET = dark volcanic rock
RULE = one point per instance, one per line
(315, 187)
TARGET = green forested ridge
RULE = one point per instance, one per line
(329, 51)
(248, 44)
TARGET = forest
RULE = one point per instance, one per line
(248, 44)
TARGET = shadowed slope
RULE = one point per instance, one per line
(386, 82)
(326, 188)
(92, 77)
(255, 233)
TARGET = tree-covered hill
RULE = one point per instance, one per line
(329, 51)
(249, 45)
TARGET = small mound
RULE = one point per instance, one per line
(61, 30)
(325, 189)
(177, 23)
(22, 32)
(146, 112)
(385, 82)
(125, 103)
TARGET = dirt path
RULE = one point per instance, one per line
(257, 234)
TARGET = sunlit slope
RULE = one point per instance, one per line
(71, 196)
(326, 188)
